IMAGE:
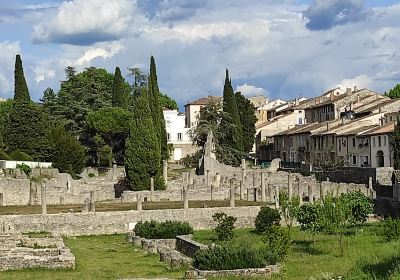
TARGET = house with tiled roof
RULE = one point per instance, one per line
(192, 109)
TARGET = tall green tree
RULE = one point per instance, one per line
(394, 92)
(5, 110)
(142, 151)
(156, 110)
(247, 120)
(395, 142)
(21, 92)
(119, 94)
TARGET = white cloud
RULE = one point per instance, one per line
(8, 51)
(361, 81)
(83, 22)
(43, 73)
(249, 90)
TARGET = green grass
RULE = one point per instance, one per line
(102, 257)
(366, 254)
(120, 206)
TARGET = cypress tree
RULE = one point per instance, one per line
(21, 93)
(156, 110)
(142, 151)
(119, 94)
(231, 119)
(395, 142)
(247, 120)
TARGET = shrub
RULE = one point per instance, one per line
(266, 218)
(4, 156)
(225, 227)
(91, 175)
(229, 257)
(21, 156)
(391, 229)
(279, 241)
(359, 206)
(165, 230)
(307, 216)
(24, 168)
(191, 161)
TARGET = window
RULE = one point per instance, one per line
(384, 140)
(354, 142)
(168, 136)
(179, 136)
(366, 142)
(379, 141)
(373, 141)
(354, 159)
(391, 118)
(291, 142)
(366, 160)
(340, 145)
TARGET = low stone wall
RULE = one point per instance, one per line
(248, 272)
(75, 224)
(21, 252)
(187, 246)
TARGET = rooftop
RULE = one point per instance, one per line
(205, 100)
(382, 129)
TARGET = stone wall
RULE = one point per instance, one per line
(75, 224)
(187, 246)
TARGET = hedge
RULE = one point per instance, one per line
(165, 230)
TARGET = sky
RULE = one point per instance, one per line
(277, 48)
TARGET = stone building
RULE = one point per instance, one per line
(192, 109)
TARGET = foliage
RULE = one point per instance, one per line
(391, 229)
(307, 216)
(394, 92)
(247, 119)
(20, 156)
(395, 143)
(142, 151)
(278, 240)
(69, 154)
(164, 230)
(49, 100)
(21, 92)
(225, 226)
(231, 121)
(167, 102)
(120, 94)
(266, 218)
(359, 206)
(5, 110)
(288, 208)
(191, 161)
(327, 163)
(25, 168)
(4, 156)
(228, 258)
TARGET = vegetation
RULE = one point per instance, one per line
(119, 93)
(225, 226)
(266, 218)
(395, 143)
(21, 92)
(24, 168)
(278, 240)
(20, 156)
(391, 229)
(191, 161)
(247, 119)
(394, 92)
(4, 156)
(165, 230)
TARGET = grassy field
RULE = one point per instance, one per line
(102, 257)
(119, 206)
(366, 254)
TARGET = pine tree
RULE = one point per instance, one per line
(231, 121)
(142, 151)
(247, 120)
(394, 92)
(156, 110)
(21, 92)
(119, 94)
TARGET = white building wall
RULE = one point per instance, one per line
(384, 147)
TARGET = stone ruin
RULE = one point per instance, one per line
(21, 252)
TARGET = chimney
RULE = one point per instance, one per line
(348, 91)
(355, 88)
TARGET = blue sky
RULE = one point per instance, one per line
(279, 48)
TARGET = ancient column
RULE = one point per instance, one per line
(212, 192)
(85, 206)
(165, 171)
(44, 203)
(151, 188)
(207, 178)
(241, 186)
(243, 165)
(232, 196)
(191, 177)
(1, 199)
(254, 180)
(290, 188)
(218, 179)
(185, 198)
(92, 202)
(114, 172)
(276, 197)
(370, 186)
(310, 194)
(139, 202)
(321, 191)
(263, 198)
(249, 198)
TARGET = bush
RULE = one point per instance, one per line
(279, 241)
(307, 216)
(24, 168)
(20, 156)
(266, 218)
(91, 175)
(391, 229)
(165, 230)
(229, 257)
(359, 206)
(4, 156)
(225, 227)
(191, 161)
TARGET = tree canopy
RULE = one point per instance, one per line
(21, 92)
(394, 92)
(247, 119)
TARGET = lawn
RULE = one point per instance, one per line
(366, 254)
(120, 206)
(102, 257)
